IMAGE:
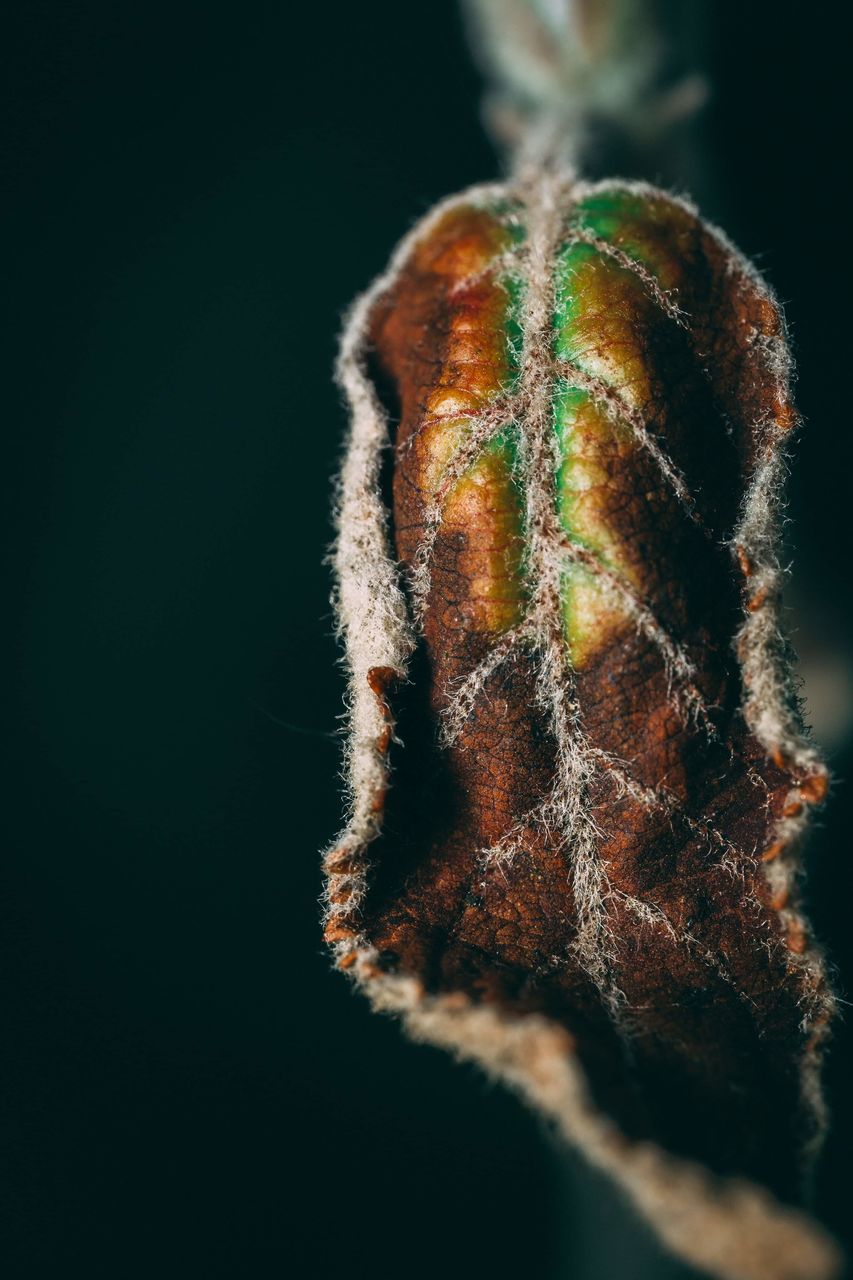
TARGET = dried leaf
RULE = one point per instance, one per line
(560, 602)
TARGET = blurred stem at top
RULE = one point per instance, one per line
(604, 86)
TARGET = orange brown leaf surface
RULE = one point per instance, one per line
(598, 776)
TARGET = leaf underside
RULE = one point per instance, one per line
(594, 785)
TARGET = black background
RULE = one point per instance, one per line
(193, 195)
